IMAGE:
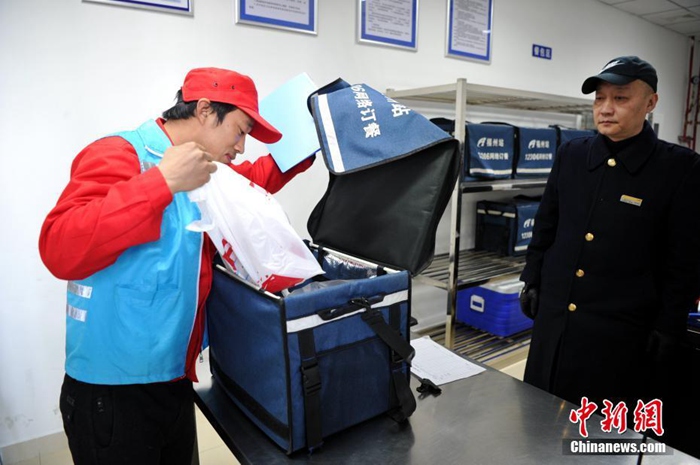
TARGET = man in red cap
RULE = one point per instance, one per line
(137, 279)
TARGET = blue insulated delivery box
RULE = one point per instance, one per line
(334, 351)
(493, 307)
(489, 151)
(535, 154)
(565, 134)
(505, 227)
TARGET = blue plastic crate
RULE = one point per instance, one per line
(493, 307)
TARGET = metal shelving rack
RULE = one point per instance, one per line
(460, 269)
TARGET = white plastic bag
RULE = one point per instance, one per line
(252, 232)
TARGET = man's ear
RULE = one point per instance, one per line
(203, 110)
(651, 103)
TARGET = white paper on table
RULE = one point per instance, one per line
(439, 364)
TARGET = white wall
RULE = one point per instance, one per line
(71, 72)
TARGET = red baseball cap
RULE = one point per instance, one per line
(225, 86)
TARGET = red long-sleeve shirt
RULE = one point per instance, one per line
(109, 206)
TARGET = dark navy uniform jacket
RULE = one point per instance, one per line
(615, 253)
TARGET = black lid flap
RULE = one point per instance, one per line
(389, 214)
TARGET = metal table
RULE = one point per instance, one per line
(490, 418)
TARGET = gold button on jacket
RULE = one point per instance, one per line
(580, 273)
(589, 237)
(572, 307)
(611, 162)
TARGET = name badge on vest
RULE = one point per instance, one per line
(631, 200)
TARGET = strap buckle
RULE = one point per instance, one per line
(311, 377)
(427, 387)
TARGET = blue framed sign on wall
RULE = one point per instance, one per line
(388, 22)
(293, 15)
(470, 29)
(183, 7)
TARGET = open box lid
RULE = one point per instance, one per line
(391, 175)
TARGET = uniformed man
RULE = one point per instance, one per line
(612, 269)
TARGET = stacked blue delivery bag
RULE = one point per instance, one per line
(334, 351)
(489, 149)
(493, 307)
(565, 134)
(535, 153)
(505, 227)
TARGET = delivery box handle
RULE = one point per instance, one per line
(477, 303)
(328, 314)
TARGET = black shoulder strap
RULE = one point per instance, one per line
(311, 379)
(402, 354)
(390, 336)
(402, 389)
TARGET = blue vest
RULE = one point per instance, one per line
(131, 322)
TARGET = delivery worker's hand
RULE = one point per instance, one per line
(529, 301)
(186, 167)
